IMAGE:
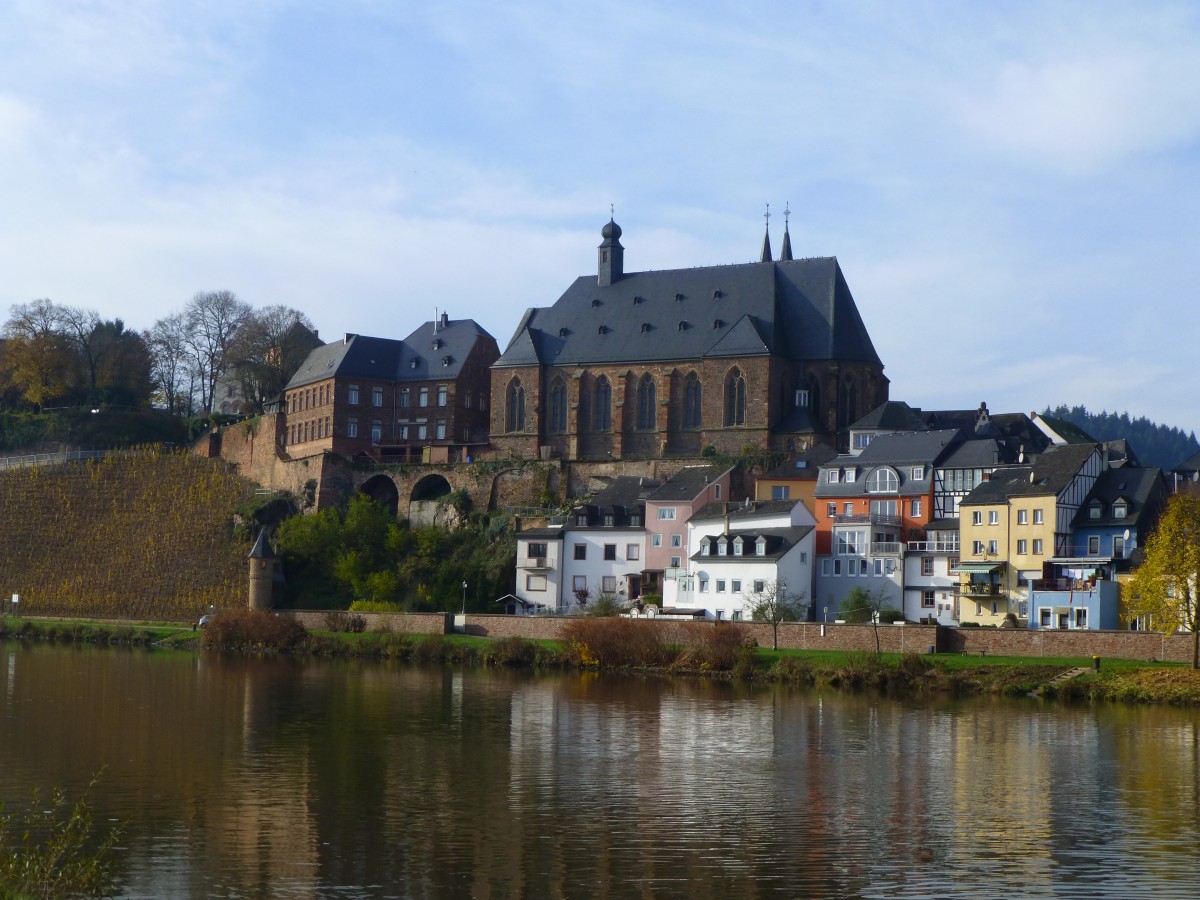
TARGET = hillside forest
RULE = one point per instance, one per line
(1156, 446)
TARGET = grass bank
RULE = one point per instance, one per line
(693, 650)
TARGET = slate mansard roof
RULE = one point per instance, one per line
(796, 309)
(438, 353)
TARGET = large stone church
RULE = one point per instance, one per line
(642, 365)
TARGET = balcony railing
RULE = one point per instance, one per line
(886, 548)
(872, 519)
(536, 562)
(934, 547)
(980, 589)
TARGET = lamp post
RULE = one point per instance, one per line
(464, 605)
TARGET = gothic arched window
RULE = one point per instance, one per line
(515, 402)
(691, 401)
(647, 414)
(735, 398)
(602, 409)
(558, 407)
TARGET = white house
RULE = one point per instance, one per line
(736, 551)
(539, 570)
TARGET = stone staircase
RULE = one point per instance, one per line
(1059, 679)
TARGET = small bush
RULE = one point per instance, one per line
(247, 629)
(375, 606)
(887, 615)
(718, 647)
(511, 651)
(617, 642)
(793, 671)
(432, 648)
(337, 620)
(913, 664)
(604, 606)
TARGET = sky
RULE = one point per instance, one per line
(1011, 189)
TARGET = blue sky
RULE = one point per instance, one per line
(1012, 189)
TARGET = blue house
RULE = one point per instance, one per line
(1079, 588)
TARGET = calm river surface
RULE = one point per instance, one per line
(315, 778)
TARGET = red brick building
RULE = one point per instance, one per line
(425, 397)
(645, 365)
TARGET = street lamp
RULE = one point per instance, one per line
(464, 608)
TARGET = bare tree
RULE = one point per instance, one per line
(862, 605)
(774, 604)
(213, 318)
(172, 365)
(267, 350)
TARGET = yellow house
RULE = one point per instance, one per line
(1016, 522)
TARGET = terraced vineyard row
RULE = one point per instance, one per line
(140, 534)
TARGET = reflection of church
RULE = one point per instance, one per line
(649, 364)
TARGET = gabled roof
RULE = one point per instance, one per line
(1049, 474)
(778, 542)
(623, 497)
(1061, 431)
(424, 355)
(687, 484)
(798, 309)
(1143, 489)
(892, 415)
(744, 510)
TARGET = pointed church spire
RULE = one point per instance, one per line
(766, 248)
(785, 255)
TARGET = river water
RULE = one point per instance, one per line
(239, 777)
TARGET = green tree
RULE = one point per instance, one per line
(1165, 587)
(775, 604)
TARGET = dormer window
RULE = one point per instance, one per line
(563, 332)
(722, 546)
(737, 546)
(718, 323)
(603, 329)
(760, 546)
(1094, 509)
(717, 294)
(581, 519)
(851, 474)
(413, 363)
(683, 326)
(446, 360)
(917, 473)
(635, 520)
(645, 327)
(883, 480)
(802, 399)
(1120, 509)
(595, 303)
(704, 548)
(608, 520)
(637, 300)
(679, 298)
(831, 476)
(437, 343)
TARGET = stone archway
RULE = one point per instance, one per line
(383, 491)
(427, 495)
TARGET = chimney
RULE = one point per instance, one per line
(445, 319)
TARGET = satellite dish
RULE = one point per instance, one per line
(1126, 534)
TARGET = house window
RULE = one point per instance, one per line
(1094, 510)
(878, 565)
(993, 517)
(862, 566)
(1044, 618)
(1022, 517)
(720, 585)
(927, 599)
(781, 492)
(352, 427)
(831, 509)
(703, 584)
(977, 548)
(609, 520)
(914, 507)
(1037, 546)
(801, 398)
(354, 395)
(737, 546)
(608, 584)
(977, 517)
(666, 512)
(848, 508)
(1081, 617)
(1022, 547)
(376, 431)
(916, 473)
(441, 430)
(581, 551)
(1120, 509)
(883, 481)
(831, 476)
(404, 432)
(993, 548)
(705, 548)
(632, 551)
(656, 540)
(862, 439)
(377, 396)
(716, 492)
(535, 582)
(579, 584)
(404, 394)
(926, 565)
(674, 562)
(443, 394)
(691, 401)
(1119, 547)
(1093, 545)
(536, 550)
(826, 566)
(735, 585)
(635, 520)
(423, 397)
(721, 546)
(676, 540)
(837, 567)
(610, 551)
(760, 548)
(849, 475)
(1037, 517)
(422, 431)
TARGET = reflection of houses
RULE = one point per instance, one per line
(638, 365)
(1014, 523)
(668, 511)
(739, 550)
(1080, 588)
(422, 398)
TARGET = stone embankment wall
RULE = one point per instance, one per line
(1141, 645)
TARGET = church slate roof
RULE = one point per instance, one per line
(798, 309)
(416, 358)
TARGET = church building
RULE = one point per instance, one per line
(644, 365)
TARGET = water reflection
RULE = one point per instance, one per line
(310, 778)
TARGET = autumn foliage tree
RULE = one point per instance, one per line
(1165, 587)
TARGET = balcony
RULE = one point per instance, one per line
(886, 548)
(951, 547)
(872, 519)
(535, 563)
(980, 589)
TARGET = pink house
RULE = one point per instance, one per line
(668, 510)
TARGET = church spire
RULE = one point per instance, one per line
(785, 254)
(610, 263)
(766, 247)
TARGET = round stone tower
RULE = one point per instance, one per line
(262, 572)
